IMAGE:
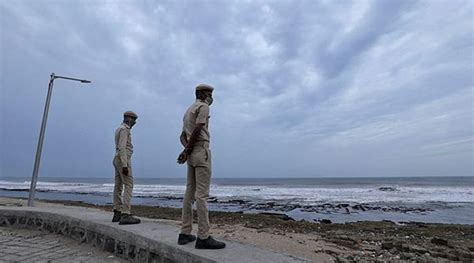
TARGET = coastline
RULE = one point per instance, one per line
(323, 241)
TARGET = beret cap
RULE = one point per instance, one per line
(130, 114)
(204, 87)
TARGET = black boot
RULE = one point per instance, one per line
(117, 215)
(183, 239)
(127, 219)
(209, 243)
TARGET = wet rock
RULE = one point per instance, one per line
(439, 254)
(405, 248)
(452, 256)
(388, 189)
(417, 249)
(406, 256)
(439, 241)
(284, 217)
(387, 245)
(326, 221)
(393, 250)
(463, 255)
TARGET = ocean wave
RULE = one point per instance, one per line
(303, 195)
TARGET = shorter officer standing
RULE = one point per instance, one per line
(123, 171)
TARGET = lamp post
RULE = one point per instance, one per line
(34, 177)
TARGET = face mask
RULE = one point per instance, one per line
(209, 100)
(130, 122)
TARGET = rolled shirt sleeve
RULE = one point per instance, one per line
(122, 146)
(203, 114)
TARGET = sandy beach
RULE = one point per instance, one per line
(323, 241)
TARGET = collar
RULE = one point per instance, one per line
(125, 125)
(202, 101)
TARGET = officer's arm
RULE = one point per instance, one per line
(183, 139)
(193, 138)
(122, 147)
(201, 119)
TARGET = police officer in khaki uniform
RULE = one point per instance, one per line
(195, 139)
(123, 171)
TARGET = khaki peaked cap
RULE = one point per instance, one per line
(130, 114)
(204, 87)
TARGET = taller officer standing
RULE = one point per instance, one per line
(123, 170)
(195, 139)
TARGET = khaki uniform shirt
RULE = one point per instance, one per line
(197, 113)
(123, 144)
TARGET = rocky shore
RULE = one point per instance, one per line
(328, 242)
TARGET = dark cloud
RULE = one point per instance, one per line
(303, 88)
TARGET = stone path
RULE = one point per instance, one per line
(24, 245)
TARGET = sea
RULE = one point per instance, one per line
(448, 200)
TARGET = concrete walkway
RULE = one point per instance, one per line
(26, 245)
(150, 241)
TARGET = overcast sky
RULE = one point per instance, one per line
(302, 88)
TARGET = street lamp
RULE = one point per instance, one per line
(34, 177)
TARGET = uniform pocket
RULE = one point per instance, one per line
(198, 156)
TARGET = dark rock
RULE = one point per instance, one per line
(405, 248)
(452, 256)
(406, 256)
(439, 241)
(387, 245)
(359, 207)
(238, 201)
(418, 249)
(284, 217)
(326, 221)
(439, 254)
(463, 255)
(388, 189)
(398, 245)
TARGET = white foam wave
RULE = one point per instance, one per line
(303, 195)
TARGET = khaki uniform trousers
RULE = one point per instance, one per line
(122, 203)
(197, 187)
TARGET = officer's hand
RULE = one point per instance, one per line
(182, 157)
(125, 170)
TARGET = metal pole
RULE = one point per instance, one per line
(34, 177)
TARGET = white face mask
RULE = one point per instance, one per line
(209, 100)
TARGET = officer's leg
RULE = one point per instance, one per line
(127, 194)
(187, 211)
(118, 185)
(203, 180)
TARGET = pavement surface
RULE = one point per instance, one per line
(24, 245)
(151, 239)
